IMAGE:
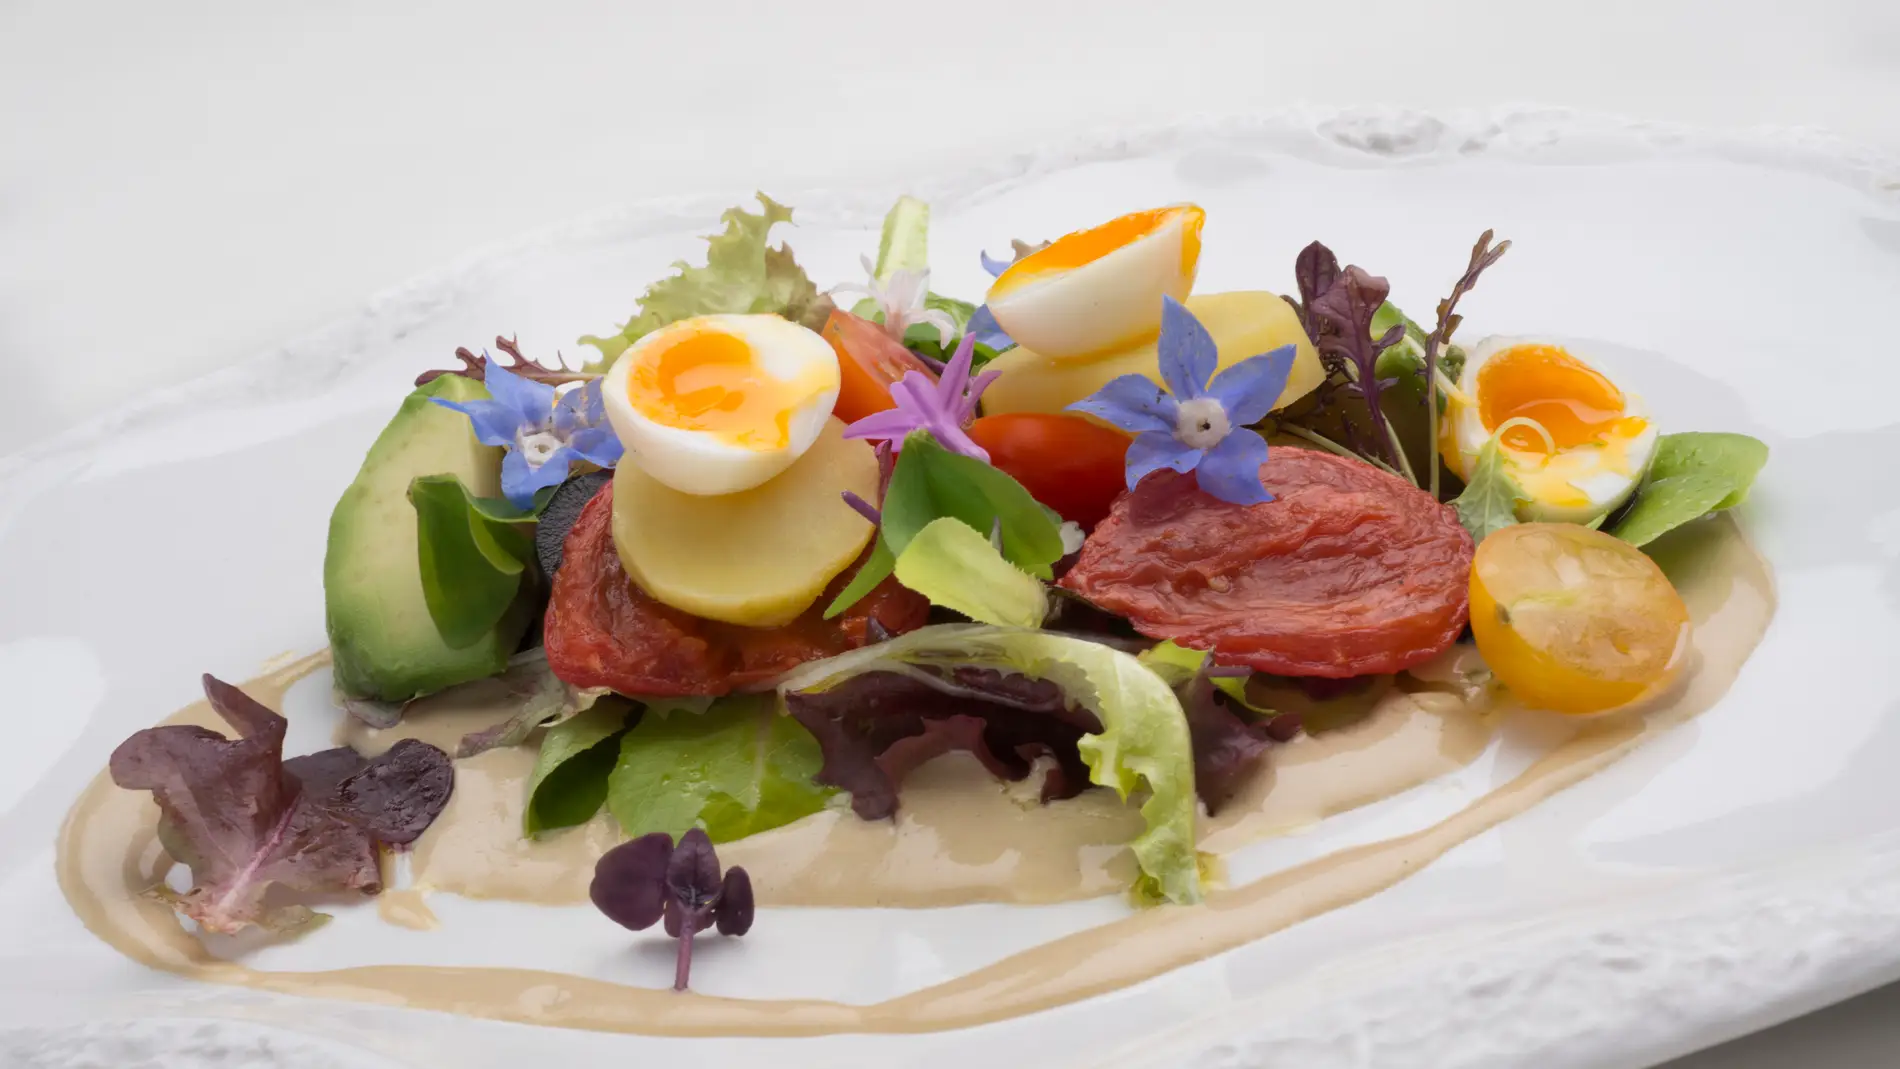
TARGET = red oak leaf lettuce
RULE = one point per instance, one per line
(1010, 695)
(875, 728)
(242, 818)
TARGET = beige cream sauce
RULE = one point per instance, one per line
(960, 837)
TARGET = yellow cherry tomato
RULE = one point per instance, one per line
(1574, 620)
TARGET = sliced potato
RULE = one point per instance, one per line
(759, 557)
(1244, 323)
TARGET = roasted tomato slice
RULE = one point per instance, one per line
(869, 360)
(602, 631)
(1349, 571)
(1070, 463)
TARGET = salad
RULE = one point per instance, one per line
(774, 548)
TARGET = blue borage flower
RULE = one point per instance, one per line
(545, 430)
(940, 407)
(983, 323)
(1201, 425)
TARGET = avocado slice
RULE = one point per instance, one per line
(382, 641)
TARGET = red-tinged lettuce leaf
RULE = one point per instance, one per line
(398, 794)
(875, 728)
(242, 818)
(1124, 721)
(476, 367)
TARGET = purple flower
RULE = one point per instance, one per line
(940, 407)
(544, 429)
(1201, 426)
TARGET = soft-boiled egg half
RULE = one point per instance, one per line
(1100, 289)
(1576, 443)
(721, 403)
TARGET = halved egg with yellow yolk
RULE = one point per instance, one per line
(1100, 289)
(721, 403)
(1576, 443)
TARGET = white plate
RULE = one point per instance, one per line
(1735, 871)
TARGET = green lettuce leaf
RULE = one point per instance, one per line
(1694, 474)
(569, 783)
(1143, 745)
(959, 569)
(472, 551)
(736, 769)
(1489, 502)
(743, 274)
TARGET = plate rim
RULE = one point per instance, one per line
(1758, 898)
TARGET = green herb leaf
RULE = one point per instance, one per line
(472, 552)
(958, 569)
(904, 244)
(1694, 474)
(569, 784)
(877, 568)
(1490, 500)
(738, 768)
(743, 274)
(1177, 665)
(1143, 746)
(931, 482)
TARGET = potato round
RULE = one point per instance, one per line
(756, 558)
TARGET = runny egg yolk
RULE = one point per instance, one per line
(1084, 247)
(711, 381)
(1543, 383)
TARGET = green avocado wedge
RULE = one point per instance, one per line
(383, 642)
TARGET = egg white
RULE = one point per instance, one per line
(1576, 485)
(698, 462)
(1104, 304)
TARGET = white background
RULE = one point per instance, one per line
(184, 185)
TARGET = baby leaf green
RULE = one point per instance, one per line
(877, 568)
(569, 783)
(959, 569)
(1694, 474)
(1490, 500)
(472, 551)
(931, 482)
(736, 769)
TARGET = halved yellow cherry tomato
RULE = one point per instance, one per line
(1574, 620)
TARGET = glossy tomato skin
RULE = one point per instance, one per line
(869, 361)
(1068, 462)
(603, 631)
(1349, 571)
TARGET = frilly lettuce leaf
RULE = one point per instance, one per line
(743, 274)
(1142, 743)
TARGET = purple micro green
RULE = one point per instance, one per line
(652, 879)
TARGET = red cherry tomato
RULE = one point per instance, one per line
(1070, 463)
(869, 360)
